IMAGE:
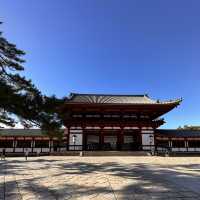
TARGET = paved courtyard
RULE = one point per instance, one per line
(105, 178)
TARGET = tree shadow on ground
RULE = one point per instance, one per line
(123, 180)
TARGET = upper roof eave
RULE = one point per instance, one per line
(171, 102)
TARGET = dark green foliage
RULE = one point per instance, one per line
(20, 100)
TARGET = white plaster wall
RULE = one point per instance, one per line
(75, 148)
(45, 150)
(79, 138)
(36, 150)
(183, 149)
(63, 149)
(76, 131)
(29, 149)
(130, 127)
(75, 127)
(146, 141)
(9, 150)
(175, 149)
(191, 149)
(147, 128)
(18, 150)
(147, 131)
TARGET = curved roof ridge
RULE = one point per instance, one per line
(108, 94)
(117, 99)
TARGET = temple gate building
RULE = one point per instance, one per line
(96, 122)
(113, 122)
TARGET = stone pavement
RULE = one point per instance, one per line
(100, 178)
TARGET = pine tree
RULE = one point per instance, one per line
(13, 87)
(20, 100)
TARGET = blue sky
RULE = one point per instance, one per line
(111, 46)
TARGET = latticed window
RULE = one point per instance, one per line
(162, 143)
(178, 143)
(128, 139)
(41, 144)
(23, 144)
(6, 143)
(194, 143)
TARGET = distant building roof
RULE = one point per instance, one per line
(178, 132)
(189, 127)
(21, 132)
(115, 99)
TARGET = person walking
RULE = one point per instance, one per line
(3, 154)
(26, 154)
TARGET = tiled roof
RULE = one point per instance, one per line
(114, 99)
(178, 132)
(21, 132)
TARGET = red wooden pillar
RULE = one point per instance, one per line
(154, 137)
(140, 145)
(14, 144)
(120, 138)
(50, 143)
(23, 143)
(67, 137)
(101, 138)
(84, 141)
(32, 141)
(186, 143)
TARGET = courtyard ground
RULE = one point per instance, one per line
(105, 178)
